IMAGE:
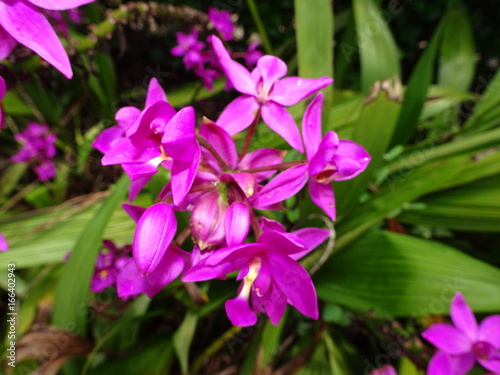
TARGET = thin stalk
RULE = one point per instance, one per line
(275, 167)
(203, 142)
(248, 138)
(260, 26)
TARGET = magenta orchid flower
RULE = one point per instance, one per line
(21, 22)
(252, 55)
(265, 91)
(328, 159)
(271, 277)
(190, 48)
(384, 370)
(4, 245)
(221, 19)
(462, 344)
(3, 90)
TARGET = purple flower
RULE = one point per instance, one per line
(190, 47)
(21, 22)
(252, 55)
(462, 344)
(384, 370)
(4, 246)
(38, 147)
(3, 90)
(271, 277)
(221, 20)
(265, 92)
(328, 159)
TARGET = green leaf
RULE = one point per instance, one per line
(15, 106)
(183, 338)
(185, 94)
(314, 28)
(377, 48)
(416, 91)
(457, 55)
(10, 178)
(271, 340)
(374, 132)
(70, 299)
(401, 275)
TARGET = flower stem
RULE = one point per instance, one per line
(260, 26)
(248, 138)
(203, 142)
(275, 167)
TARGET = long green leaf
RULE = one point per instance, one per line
(406, 276)
(377, 48)
(70, 299)
(183, 338)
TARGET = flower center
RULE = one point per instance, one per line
(485, 351)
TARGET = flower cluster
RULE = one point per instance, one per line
(222, 187)
(203, 62)
(37, 149)
(462, 344)
(21, 22)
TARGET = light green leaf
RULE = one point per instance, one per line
(183, 338)
(71, 294)
(401, 275)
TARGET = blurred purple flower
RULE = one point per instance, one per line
(221, 19)
(252, 55)
(384, 370)
(21, 22)
(3, 90)
(4, 246)
(38, 147)
(462, 344)
(190, 47)
(265, 92)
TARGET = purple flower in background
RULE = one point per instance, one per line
(190, 47)
(384, 370)
(21, 22)
(329, 159)
(265, 92)
(462, 344)
(252, 55)
(271, 277)
(38, 148)
(3, 90)
(4, 246)
(221, 20)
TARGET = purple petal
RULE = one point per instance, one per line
(268, 224)
(221, 141)
(295, 283)
(136, 187)
(238, 75)
(172, 265)
(135, 212)
(273, 302)
(183, 174)
(491, 365)
(179, 137)
(105, 141)
(140, 172)
(237, 224)
(311, 238)
(322, 195)
(7, 43)
(155, 93)
(283, 186)
(58, 4)
(245, 181)
(463, 317)
(446, 364)
(151, 121)
(3, 88)
(260, 158)
(291, 90)
(154, 233)
(350, 160)
(4, 246)
(124, 151)
(239, 114)
(487, 355)
(324, 154)
(29, 27)
(282, 123)
(283, 243)
(489, 330)
(126, 116)
(447, 338)
(311, 126)
(207, 221)
(384, 370)
(239, 312)
(102, 279)
(130, 282)
(271, 69)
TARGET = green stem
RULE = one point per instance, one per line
(260, 26)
